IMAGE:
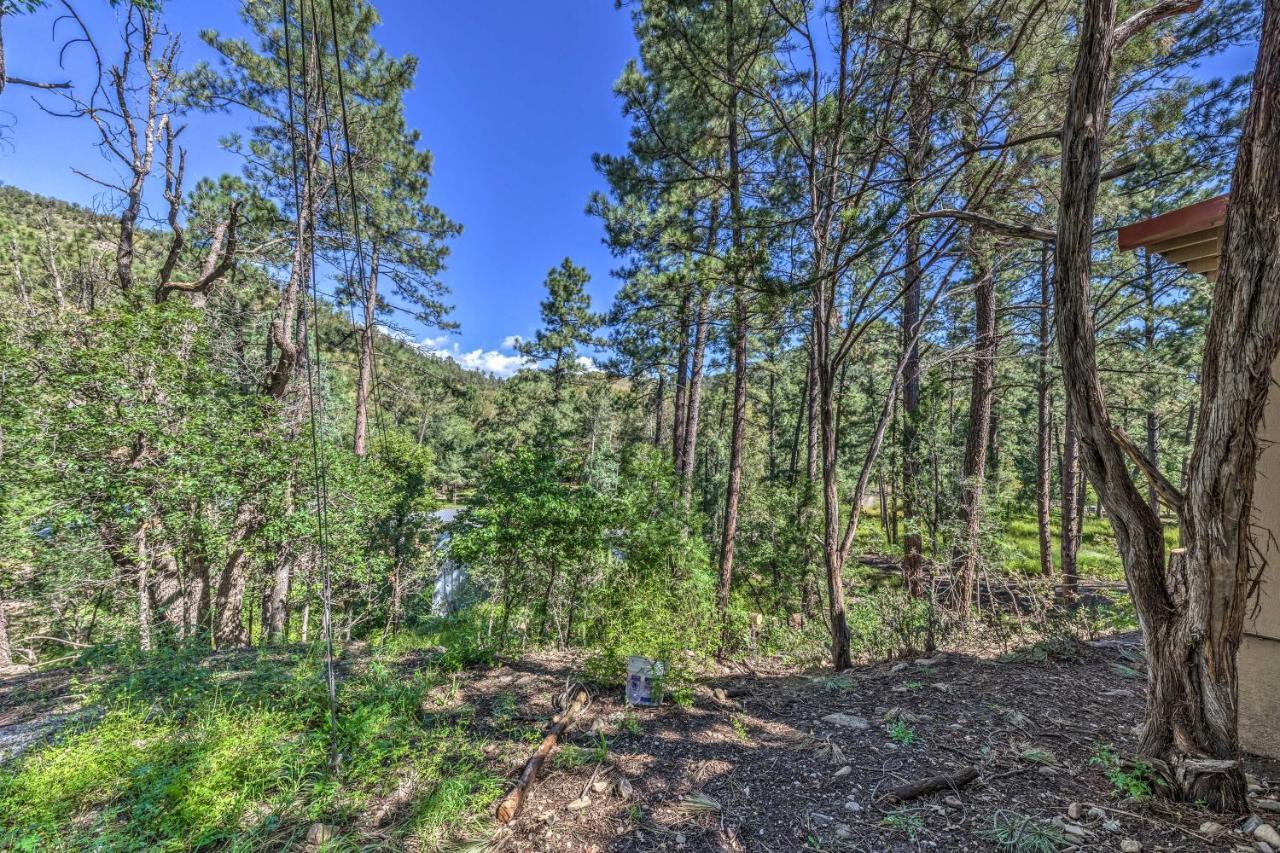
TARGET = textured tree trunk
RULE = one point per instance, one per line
(811, 404)
(832, 553)
(737, 436)
(982, 386)
(917, 130)
(364, 376)
(1071, 504)
(6, 650)
(275, 604)
(1044, 425)
(694, 401)
(1192, 610)
(733, 491)
(168, 597)
(679, 411)
(659, 402)
(125, 237)
(196, 568)
(229, 629)
(143, 561)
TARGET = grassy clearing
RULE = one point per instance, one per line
(230, 751)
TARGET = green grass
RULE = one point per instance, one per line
(1098, 557)
(230, 751)
(1014, 544)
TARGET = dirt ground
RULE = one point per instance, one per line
(752, 758)
(756, 762)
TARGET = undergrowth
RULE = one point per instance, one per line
(196, 751)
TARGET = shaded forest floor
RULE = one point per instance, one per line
(214, 751)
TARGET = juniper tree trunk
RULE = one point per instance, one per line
(1191, 610)
(228, 628)
(168, 596)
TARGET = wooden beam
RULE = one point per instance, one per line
(1202, 265)
(1176, 223)
(1210, 248)
(1182, 241)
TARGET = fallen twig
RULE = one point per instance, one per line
(934, 783)
(575, 701)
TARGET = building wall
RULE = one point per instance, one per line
(1259, 657)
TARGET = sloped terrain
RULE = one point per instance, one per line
(755, 757)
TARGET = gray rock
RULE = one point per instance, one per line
(846, 721)
(321, 833)
(1212, 828)
(1266, 833)
(1130, 845)
(1074, 811)
(852, 806)
(820, 819)
(952, 802)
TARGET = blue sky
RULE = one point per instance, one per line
(512, 99)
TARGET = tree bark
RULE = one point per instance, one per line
(1071, 503)
(1044, 425)
(965, 571)
(733, 491)
(694, 401)
(229, 629)
(364, 376)
(679, 405)
(6, 649)
(142, 560)
(1192, 610)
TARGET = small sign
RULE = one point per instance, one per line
(644, 681)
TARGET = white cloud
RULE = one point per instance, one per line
(512, 341)
(588, 364)
(490, 361)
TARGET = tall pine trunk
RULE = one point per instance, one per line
(364, 375)
(981, 393)
(733, 491)
(1044, 426)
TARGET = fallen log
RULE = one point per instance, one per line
(927, 786)
(572, 704)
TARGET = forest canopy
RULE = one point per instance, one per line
(876, 380)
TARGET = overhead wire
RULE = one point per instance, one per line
(314, 376)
